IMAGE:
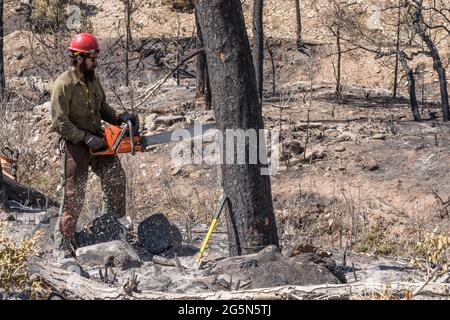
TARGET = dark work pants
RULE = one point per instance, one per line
(77, 160)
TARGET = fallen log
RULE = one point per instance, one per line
(26, 195)
(73, 286)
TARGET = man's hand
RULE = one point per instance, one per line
(125, 117)
(96, 144)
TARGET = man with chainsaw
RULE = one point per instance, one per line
(78, 105)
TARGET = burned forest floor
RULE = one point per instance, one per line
(358, 185)
(361, 195)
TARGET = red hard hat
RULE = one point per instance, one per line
(85, 43)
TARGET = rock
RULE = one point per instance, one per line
(294, 146)
(300, 248)
(115, 253)
(70, 264)
(176, 170)
(292, 272)
(372, 164)
(19, 55)
(197, 174)
(379, 136)
(102, 229)
(169, 120)
(157, 234)
(127, 222)
(339, 149)
(345, 136)
(313, 154)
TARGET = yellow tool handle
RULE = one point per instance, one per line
(208, 235)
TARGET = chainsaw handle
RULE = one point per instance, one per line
(133, 147)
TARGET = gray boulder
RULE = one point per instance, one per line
(115, 253)
(280, 273)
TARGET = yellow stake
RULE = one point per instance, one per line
(211, 227)
(205, 242)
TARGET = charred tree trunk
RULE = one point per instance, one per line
(397, 47)
(274, 71)
(2, 68)
(411, 86)
(208, 98)
(250, 219)
(128, 41)
(338, 64)
(258, 45)
(2, 190)
(298, 15)
(201, 74)
(420, 28)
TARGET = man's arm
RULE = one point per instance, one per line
(61, 95)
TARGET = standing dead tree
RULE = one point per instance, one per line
(411, 85)
(354, 32)
(420, 27)
(130, 6)
(2, 69)
(201, 74)
(298, 16)
(258, 45)
(334, 19)
(397, 48)
(250, 219)
(51, 25)
(2, 189)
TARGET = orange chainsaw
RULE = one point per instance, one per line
(127, 140)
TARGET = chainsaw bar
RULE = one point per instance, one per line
(171, 136)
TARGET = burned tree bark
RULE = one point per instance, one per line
(258, 45)
(2, 68)
(421, 30)
(250, 219)
(2, 190)
(411, 86)
(397, 48)
(201, 74)
(298, 16)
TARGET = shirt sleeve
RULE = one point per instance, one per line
(61, 95)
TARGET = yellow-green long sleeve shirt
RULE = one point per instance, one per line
(78, 108)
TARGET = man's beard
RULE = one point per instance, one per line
(89, 74)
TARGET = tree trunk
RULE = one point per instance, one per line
(411, 87)
(128, 5)
(201, 74)
(419, 27)
(397, 47)
(274, 71)
(258, 45)
(2, 190)
(339, 61)
(298, 16)
(208, 98)
(250, 219)
(2, 69)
